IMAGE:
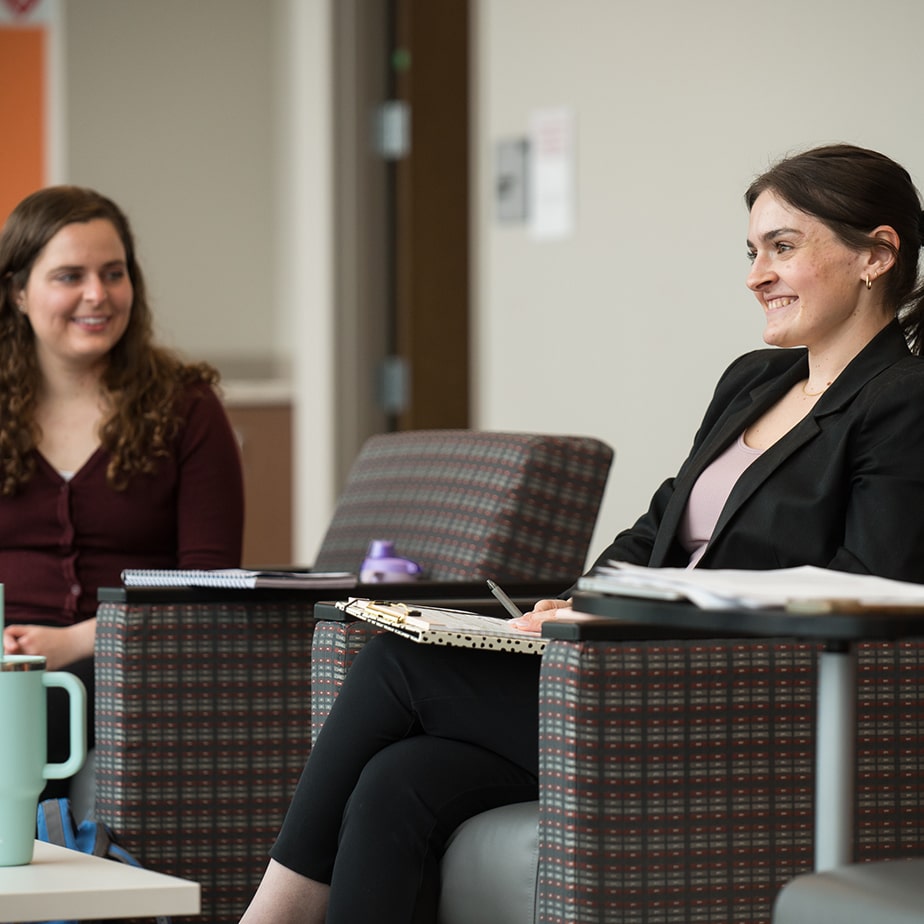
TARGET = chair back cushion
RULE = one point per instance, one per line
(470, 505)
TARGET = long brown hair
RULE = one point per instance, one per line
(144, 382)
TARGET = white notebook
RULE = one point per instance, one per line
(236, 577)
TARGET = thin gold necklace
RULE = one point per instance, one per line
(814, 394)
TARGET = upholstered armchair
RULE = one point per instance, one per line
(677, 780)
(203, 700)
(539, 519)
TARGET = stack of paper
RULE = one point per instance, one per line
(806, 588)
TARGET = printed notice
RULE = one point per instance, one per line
(552, 212)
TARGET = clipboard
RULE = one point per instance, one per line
(430, 625)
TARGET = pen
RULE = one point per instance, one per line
(505, 601)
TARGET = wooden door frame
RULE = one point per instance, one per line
(401, 229)
(432, 213)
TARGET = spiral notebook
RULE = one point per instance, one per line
(236, 578)
(430, 625)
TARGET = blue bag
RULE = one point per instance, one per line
(56, 825)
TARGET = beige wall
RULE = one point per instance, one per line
(210, 121)
(169, 108)
(622, 331)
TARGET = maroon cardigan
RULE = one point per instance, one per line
(61, 540)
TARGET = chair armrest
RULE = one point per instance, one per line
(613, 630)
(443, 592)
(202, 730)
(675, 778)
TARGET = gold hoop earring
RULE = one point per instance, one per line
(869, 282)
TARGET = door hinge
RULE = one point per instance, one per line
(394, 376)
(393, 129)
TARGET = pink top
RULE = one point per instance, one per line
(709, 495)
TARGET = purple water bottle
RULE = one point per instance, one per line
(383, 566)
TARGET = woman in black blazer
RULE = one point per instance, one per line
(808, 455)
(834, 490)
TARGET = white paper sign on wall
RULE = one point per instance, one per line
(552, 193)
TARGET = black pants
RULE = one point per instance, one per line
(59, 724)
(419, 739)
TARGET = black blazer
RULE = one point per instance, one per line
(843, 489)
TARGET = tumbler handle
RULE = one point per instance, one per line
(77, 696)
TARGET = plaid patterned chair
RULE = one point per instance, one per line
(203, 697)
(677, 783)
(506, 506)
(470, 505)
(201, 712)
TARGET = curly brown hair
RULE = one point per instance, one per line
(144, 382)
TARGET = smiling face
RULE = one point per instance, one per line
(810, 284)
(78, 297)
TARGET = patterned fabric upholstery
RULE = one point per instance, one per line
(469, 504)
(890, 780)
(202, 730)
(334, 647)
(466, 505)
(677, 778)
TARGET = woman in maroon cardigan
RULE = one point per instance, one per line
(114, 453)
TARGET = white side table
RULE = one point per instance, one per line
(62, 883)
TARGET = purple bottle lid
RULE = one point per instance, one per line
(383, 566)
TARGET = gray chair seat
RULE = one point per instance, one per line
(890, 892)
(498, 850)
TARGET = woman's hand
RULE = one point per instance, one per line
(543, 610)
(59, 646)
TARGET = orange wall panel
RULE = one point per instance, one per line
(22, 114)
